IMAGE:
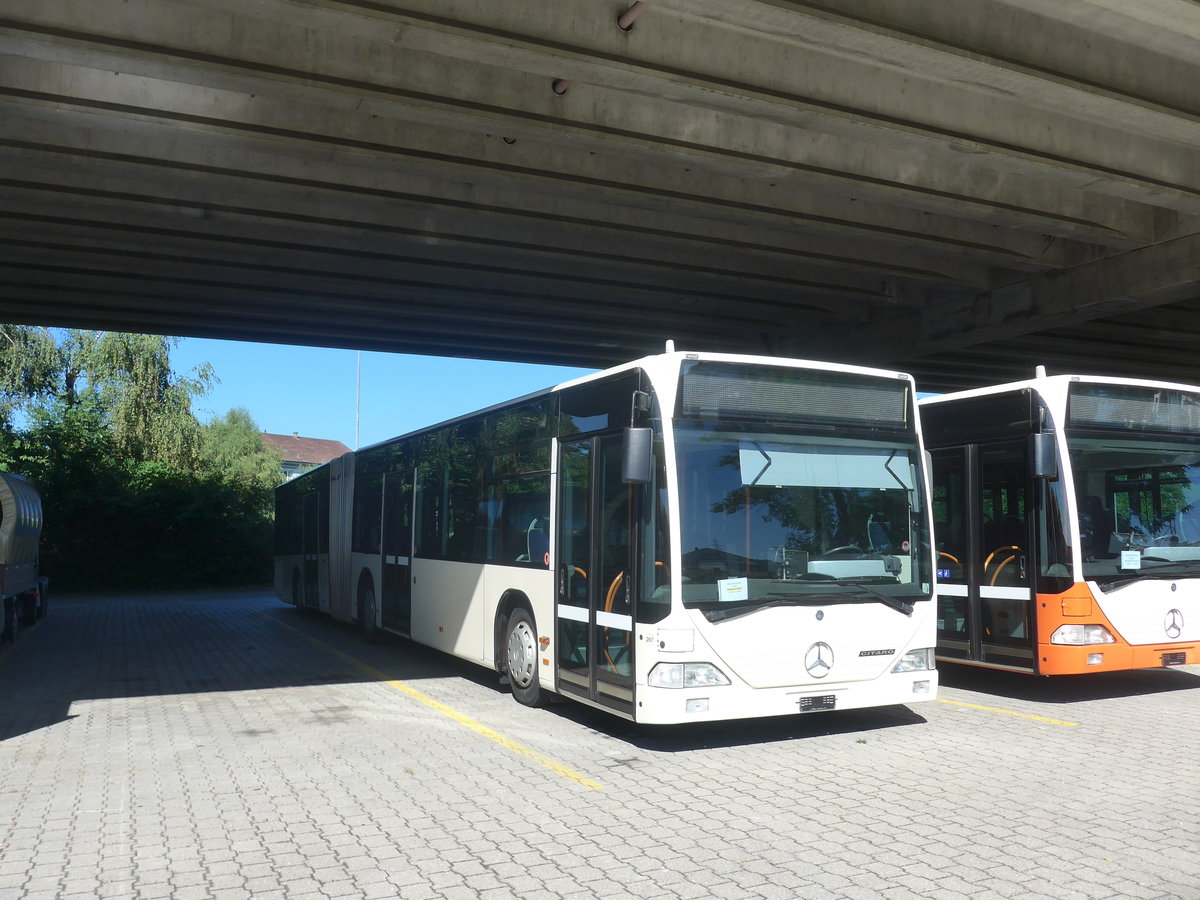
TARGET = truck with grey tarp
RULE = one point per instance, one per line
(21, 588)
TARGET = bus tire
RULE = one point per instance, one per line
(521, 658)
(367, 611)
(297, 591)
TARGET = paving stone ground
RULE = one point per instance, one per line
(221, 745)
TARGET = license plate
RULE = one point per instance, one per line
(817, 704)
(1175, 659)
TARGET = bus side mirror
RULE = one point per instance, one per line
(636, 460)
(1043, 456)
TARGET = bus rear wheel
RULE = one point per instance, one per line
(521, 648)
(366, 612)
(297, 591)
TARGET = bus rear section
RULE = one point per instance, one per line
(1067, 524)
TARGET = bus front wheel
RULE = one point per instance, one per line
(521, 646)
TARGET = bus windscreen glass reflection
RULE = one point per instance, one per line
(1138, 504)
(771, 517)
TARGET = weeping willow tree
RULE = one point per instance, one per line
(124, 381)
(29, 364)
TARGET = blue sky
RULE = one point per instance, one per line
(312, 390)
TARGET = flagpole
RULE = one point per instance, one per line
(357, 398)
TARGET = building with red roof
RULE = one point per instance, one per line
(302, 453)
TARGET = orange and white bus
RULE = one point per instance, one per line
(1067, 524)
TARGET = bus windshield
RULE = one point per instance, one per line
(772, 518)
(1139, 506)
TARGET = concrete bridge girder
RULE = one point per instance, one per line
(827, 175)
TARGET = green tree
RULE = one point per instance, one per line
(143, 404)
(29, 362)
(149, 406)
(232, 446)
(135, 491)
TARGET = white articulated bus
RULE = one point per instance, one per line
(1067, 522)
(687, 537)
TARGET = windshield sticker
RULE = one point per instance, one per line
(732, 590)
(1131, 559)
(861, 468)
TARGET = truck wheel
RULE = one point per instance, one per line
(11, 621)
(29, 608)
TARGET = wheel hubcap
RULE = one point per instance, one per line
(522, 654)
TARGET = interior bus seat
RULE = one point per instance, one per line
(1095, 526)
(879, 533)
(537, 544)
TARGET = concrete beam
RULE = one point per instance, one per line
(1162, 273)
(627, 91)
(536, 165)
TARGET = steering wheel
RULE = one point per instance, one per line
(845, 548)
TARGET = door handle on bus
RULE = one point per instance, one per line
(1021, 567)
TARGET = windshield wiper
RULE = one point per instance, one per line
(1167, 563)
(1156, 573)
(723, 614)
(897, 603)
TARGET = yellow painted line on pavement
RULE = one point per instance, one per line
(478, 727)
(1010, 712)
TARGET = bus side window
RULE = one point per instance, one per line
(520, 512)
(950, 520)
(1003, 502)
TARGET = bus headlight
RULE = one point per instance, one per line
(1082, 634)
(686, 675)
(915, 661)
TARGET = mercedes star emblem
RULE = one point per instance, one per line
(1173, 623)
(819, 659)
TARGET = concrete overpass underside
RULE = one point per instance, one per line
(961, 190)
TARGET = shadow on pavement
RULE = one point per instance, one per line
(97, 647)
(1068, 688)
(741, 732)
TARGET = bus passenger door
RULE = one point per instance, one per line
(954, 511)
(1006, 555)
(396, 589)
(312, 549)
(594, 617)
(983, 527)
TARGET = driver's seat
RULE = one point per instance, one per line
(879, 533)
